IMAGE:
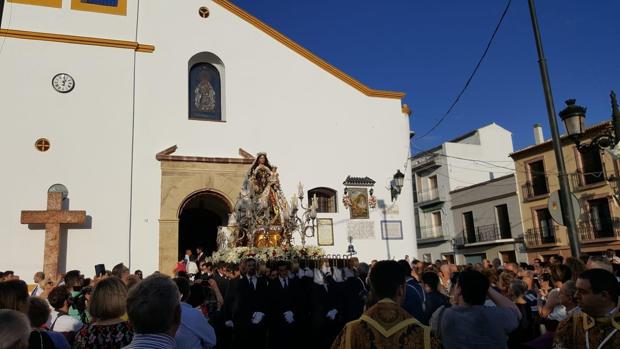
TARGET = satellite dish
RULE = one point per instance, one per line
(553, 204)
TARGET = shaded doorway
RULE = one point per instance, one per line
(200, 216)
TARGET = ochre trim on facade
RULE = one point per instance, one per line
(120, 9)
(80, 40)
(48, 3)
(182, 180)
(306, 53)
(405, 109)
(165, 155)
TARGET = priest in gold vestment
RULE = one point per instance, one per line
(386, 324)
(598, 326)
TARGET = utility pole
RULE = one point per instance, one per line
(1, 12)
(565, 196)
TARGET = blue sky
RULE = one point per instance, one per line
(428, 48)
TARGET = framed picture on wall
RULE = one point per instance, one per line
(359, 203)
(325, 231)
(392, 230)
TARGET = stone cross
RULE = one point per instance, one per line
(53, 217)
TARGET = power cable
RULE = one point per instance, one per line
(596, 173)
(458, 97)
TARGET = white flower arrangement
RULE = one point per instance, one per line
(264, 254)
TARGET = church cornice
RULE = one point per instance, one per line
(79, 40)
(306, 53)
(166, 155)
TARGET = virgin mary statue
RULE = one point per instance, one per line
(263, 206)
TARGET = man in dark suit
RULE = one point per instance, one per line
(304, 301)
(250, 309)
(355, 294)
(220, 277)
(200, 255)
(225, 334)
(326, 310)
(283, 308)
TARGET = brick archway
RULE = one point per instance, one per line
(184, 177)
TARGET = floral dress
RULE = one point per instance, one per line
(95, 336)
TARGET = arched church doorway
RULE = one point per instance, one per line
(199, 216)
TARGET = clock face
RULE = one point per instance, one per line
(63, 83)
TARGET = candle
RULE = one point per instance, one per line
(315, 202)
(293, 203)
(300, 190)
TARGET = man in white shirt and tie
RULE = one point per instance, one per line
(39, 278)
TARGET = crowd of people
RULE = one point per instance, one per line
(320, 303)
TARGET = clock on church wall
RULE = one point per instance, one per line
(63, 83)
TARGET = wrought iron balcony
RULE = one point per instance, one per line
(485, 233)
(541, 236)
(431, 232)
(531, 190)
(580, 179)
(428, 195)
(603, 230)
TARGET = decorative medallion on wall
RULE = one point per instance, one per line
(63, 83)
(42, 144)
(358, 199)
(203, 12)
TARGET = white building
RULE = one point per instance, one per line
(487, 222)
(448, 167)
(206, 77)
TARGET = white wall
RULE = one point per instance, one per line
(314, 127)
(89, 131)
(491, 145)
(495, 145)
(71, 22)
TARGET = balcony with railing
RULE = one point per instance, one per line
(431, 234)
(427, 196)
(485, 233)
(535, 189)
(608, 230)
(538, 237)
(581, 180)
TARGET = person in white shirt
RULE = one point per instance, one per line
(39, 279)
(59, 321)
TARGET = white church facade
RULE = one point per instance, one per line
(150, 114)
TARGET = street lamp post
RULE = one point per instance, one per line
(565, 200)
(608, 139)
(396, 184)
(574, 120)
